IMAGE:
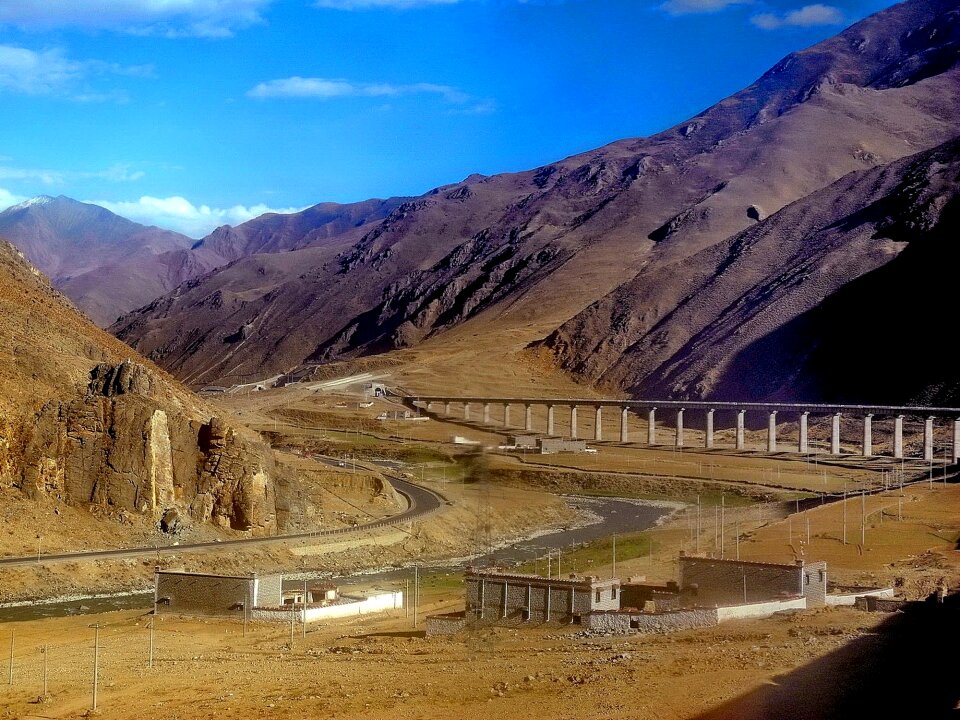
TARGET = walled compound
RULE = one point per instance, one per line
(262, 597)
(709, 591)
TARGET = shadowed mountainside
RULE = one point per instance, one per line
(802, 305)
(602, 237)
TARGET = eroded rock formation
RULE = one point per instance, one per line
(123, 445)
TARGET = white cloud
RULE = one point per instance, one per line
(807, 16)
(179, 214)
(372, 4)
(8, 198)
(171, 18)
(51, 72)
(120, 172)
(301, 87)
(689, 7)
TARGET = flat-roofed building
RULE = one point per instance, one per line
(497, 596)
(193, 593)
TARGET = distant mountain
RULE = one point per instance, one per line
(109, 265)
(105, 263)
(600, 245)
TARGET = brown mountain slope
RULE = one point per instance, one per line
(73, 242)
(527, 251)
(830, 298)
(108, 265)
(83, 422)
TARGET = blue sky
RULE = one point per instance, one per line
(189, 114)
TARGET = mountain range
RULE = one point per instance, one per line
(723, 257)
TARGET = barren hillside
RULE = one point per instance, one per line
(86, 423)
(531, 250)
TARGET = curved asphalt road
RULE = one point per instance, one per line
(421, 502)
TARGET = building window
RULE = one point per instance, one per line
(598, 594)
(806, 578)
(613, 593)
(822, 576)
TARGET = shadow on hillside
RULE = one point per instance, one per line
(906, 668)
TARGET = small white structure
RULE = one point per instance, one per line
(343, 606)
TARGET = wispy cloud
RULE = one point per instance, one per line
(374, 4)
(178, 213)
(807, 16)
(171, 18)
(323, 88)
(8, 198)
(689, 7)
(51, 72)
(119, 173)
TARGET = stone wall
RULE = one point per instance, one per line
(199, 594)
(449, 624)
(760, 609)
(710, 581)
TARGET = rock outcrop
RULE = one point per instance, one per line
(120, 445)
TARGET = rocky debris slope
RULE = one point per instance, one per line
(523, 253)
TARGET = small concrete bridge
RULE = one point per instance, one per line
(800, 411)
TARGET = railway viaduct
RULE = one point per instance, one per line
(800, 412)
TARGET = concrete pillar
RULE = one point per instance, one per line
(868, 435)
(528, 417)
(740, 414)
(598, 426)
(708, 436)
(898, 436)
(956, 440)
(506, 414)
(679, 439)
(928, 439)
(466, 411)
(573, 422)
(446, 408)
(652, 426)
(550, 420)
(772, 432)
(624, 425)
(486, 413)
(835, 435)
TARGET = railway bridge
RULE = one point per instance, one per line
(777, 413)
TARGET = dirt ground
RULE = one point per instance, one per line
(816, 664)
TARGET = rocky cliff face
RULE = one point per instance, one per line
(118, 445)
(82, 421)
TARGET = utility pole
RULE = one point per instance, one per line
(844, 515)
(613, 573)
(863, 518)
(43, 651)
(153, 621)
(406, 597)
(808, 532)
(738, 539)
(96, 663)
(723, 508)
(13, 639)
(416, 593)
(698, 524)
(558, 563)
(304, 609)
(293, 615)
